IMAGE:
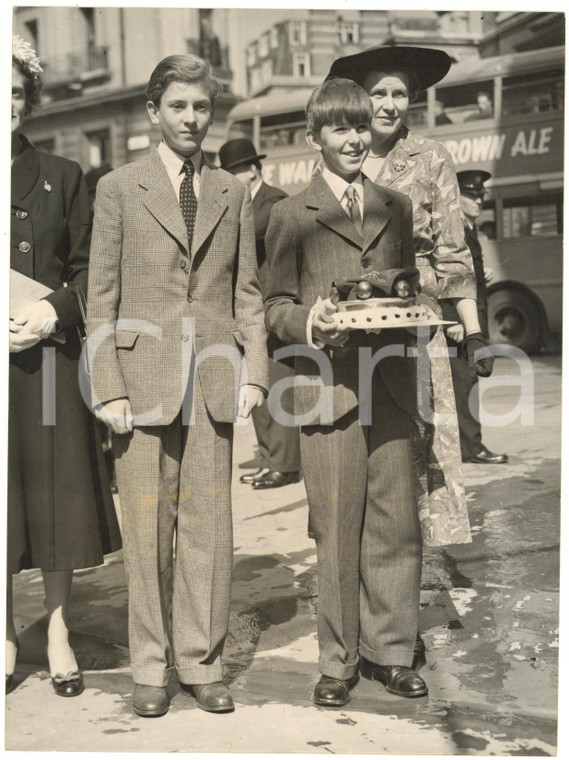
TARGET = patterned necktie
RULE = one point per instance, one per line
(188, 200)
(354, 208)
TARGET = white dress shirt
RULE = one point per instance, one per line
(174, 166)
(255, 188)
(338, 186)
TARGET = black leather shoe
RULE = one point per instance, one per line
(397, 679)
(251, 477)
(274, 479)
(150, 701)
(333, 692)
(485, 456)
(70, 685)
(213, 697)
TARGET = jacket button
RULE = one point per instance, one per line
(190, 299)
(21, 214)
(182, 264)
(25, 247)
(185, 338)
(365, 263)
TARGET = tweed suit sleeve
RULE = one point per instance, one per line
(249, 312)
(104, 291)
(78, 215)
(452, 259)
(285, 315)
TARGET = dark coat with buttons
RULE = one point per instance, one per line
(60, 508)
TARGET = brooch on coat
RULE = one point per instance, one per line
(46, 186)
(398, 165)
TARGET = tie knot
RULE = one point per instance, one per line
(188, 167)
(350, 193)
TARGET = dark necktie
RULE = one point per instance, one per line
(354, 208)
(188, 200)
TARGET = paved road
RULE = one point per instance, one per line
(489, 618)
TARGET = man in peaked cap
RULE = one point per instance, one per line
(279, 446)
(465, 382)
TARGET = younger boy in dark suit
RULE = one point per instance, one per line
(358, 471)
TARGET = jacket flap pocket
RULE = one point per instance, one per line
(126, 338)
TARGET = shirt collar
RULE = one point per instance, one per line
(174, 163)
(255, 188)
(338, 185)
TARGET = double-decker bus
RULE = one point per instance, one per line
(518, 139)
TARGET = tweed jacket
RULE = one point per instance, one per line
(310, 243)
(165, 293)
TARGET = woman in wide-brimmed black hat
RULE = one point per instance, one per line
(423, 169)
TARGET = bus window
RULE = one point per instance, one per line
(280, 130)
(533, 93)
(533, 216)
(242, 128)
(465, 102)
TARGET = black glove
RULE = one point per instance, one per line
(484, 362)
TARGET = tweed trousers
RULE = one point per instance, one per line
(363, 513)
(176, 480)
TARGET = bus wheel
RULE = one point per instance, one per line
(514, 318)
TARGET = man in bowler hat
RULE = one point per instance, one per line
(465, 381)
(279, 445)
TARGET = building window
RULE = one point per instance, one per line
(47, 145)
(99, 144)
(263, 46)
(274, 37)
(301, 65)
(266, 70)
(297, 33)
(32, 34)
(348, 33)
(251, 55)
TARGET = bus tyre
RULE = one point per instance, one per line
(514, 318)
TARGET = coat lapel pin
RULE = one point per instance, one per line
(46, 186)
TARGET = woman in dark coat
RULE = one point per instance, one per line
(61, 514)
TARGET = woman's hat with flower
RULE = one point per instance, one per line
(26, 56)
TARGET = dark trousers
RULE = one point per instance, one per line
(279, 445)
(466, 392)
(363, 512)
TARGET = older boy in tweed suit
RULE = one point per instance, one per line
(174, 303)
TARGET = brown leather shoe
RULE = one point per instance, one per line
(213, 697)
(333, 692)
(150, 701)
(397, 679)
(274, 479)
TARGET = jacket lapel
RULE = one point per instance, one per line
(161, 199)
(377, 212)
(330, 211)
(212, 203)
(25, 171)
(400, 160)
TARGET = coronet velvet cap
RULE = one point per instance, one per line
(239, 151)
(428, 65)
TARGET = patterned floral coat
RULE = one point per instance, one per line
(423, 169)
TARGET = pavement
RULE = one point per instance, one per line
(489, 618)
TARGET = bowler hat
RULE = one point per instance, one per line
(239, 151)
(428, 65)
(473, 180)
